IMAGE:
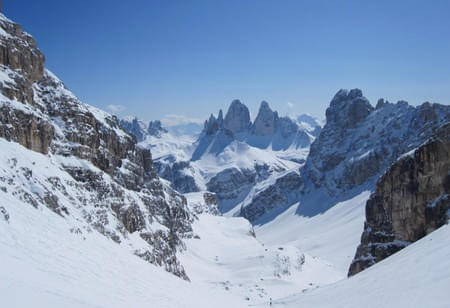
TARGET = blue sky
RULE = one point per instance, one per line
(191, 58)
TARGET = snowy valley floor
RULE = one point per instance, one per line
(296, 261)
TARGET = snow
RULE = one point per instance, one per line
(333, 235)
(180, 147)
(227, 256)
(241, 156)
(417, 276)
(46, 265)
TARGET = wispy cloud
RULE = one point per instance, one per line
(115, 109)
(175, 119)
(290, 105)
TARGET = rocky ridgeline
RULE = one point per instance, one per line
(411, 200)
(140, 129)
(116, 187)
(355, 147)
(359, 142)
(268, 124)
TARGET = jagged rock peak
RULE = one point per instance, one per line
(133, 126)
(220, 118)
(237, 118)
(348, 108)
(266, 121)
(155, 128)
(211, 125)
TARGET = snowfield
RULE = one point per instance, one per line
(417, 276)
(43, 264)
(228, 256)
(333, 235)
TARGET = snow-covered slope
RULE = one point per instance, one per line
(417, 276)
(47, 262)
(332, 235)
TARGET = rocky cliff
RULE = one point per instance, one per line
(105, 182)
(237, 118)
(411, 200)
(266, 121)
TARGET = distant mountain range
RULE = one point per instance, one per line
(230, 146)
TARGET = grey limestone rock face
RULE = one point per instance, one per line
(237, 118)
(211, 125)
(155, 128)
(266, 121)
(232, 184)
(133, 127)
(283, 192)
(141, 130)
(410, 201)
(176, 174)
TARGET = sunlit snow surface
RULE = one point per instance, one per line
(417, 276)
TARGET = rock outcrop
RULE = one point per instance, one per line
(179, 174)
(411, 200)
(140, 129)
(232, 184)
(134, 127)
(265, 122)
(237, 118)
(155, 128)
(284, 191)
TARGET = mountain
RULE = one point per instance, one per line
(64, 158)
(268, 131)
(309, 123)
(355, 147)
